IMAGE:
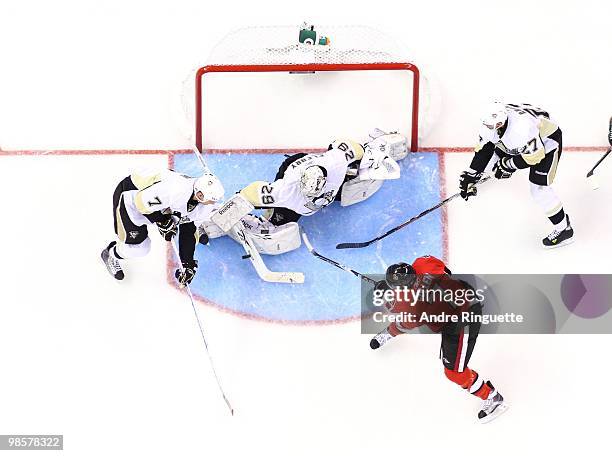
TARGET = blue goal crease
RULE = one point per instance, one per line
(328, 293)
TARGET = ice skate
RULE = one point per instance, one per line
(559, 238)
(492, 408)
(111, 262)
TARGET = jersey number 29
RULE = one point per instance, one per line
(266, 196)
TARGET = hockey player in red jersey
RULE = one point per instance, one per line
(458, 338)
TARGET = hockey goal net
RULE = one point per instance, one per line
(263, 89)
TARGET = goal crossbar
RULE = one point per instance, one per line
(307, 68)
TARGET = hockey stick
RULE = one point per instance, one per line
(333, 262)
(178, 258)
(359, 245)
(251, 252)
(260, 267)
(201, 159)
(593, 180)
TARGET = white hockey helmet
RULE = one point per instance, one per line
(496, 116)
(208, 187)
(312, 181)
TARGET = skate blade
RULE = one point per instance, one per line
(501, 408)
(561, 244)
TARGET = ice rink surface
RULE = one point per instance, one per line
(328, 294)
(119, 368)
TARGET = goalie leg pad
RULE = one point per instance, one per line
(231, 212)
(394, 144)
(269, 239)
(355, 191)
(377, 164)
(211, 229)
(260, 267)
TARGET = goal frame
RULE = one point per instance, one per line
(308, 68)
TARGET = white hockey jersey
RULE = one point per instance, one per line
(286, 193)
(168, 192)
(527, 133)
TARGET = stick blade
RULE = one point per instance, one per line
(306, 240)
(593, 181)
(352, 245)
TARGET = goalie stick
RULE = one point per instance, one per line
(178, 258)
(592, 178)
(260, 267)
(251, 252)
(359, 245)
(334, 262)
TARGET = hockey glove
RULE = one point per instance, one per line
(168, 228)
(203, 239)
(186, 275)
(467, 183)
(381, 286)
(504, 168)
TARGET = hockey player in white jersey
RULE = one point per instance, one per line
(305, 183)
(175, 203)
(515, 137)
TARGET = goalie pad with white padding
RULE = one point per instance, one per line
(267, 238)
(211, 229)
(395, 144)
(376, 163)
(260, 267)
(231, 212)
(357, 190)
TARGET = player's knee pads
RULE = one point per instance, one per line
(133, 250)
(463, 379)
(546, 198)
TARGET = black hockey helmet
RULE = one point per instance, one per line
(400, 275)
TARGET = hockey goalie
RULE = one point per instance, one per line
(348, 172)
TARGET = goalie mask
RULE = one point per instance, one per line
(400, 275)
(208, 187)
(496, 116)
(313, 181)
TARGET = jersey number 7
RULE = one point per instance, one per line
(154, 202)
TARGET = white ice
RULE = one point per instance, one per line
(119, 368)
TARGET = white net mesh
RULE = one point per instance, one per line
(278, 45)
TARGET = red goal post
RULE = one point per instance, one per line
(276, 49)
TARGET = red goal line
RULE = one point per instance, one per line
(41, 152)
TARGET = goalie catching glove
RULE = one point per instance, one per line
(168, 228)
(186, 275)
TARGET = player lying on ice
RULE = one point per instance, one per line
(458, 338)
(305, 183)
(521, 136)
(174, 203)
